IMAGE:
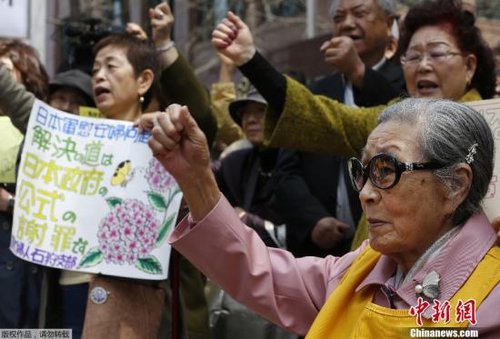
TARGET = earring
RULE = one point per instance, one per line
(141, 99)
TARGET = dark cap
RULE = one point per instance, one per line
(236, 105)
(75, 79)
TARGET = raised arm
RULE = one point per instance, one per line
(232, 39)
(331, 127)
(343, 57)
(178, 80)
(181, 147)
(286, 290)
(183, 87)
(222, 93)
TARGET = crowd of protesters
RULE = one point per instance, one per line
(277, 208)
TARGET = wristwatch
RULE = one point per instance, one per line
(10, 204)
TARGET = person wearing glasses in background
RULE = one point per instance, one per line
(313, 194)
(430, 260)
(443, 55)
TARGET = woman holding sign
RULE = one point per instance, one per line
(126, 80)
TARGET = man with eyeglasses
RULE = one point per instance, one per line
(362, 32)
(314, 196)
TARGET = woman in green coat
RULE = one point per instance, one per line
(443, 56)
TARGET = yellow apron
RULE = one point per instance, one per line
(347, 314)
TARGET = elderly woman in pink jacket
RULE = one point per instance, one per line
(430, 261)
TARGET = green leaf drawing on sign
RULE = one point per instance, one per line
(164, 230)
(149, 265)
(157, 201)
(174, 193)
(113, 201)
(93, 257)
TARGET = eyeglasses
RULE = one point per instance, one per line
(383, 170)
(435, 53)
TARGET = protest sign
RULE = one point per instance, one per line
(91, 197)
(86, 111)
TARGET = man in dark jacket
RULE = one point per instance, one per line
(314, 196)
(245, 176)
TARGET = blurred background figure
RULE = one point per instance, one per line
(21, 280)
(470, 6)
(246, 177)
(392, 46)
(314, 196)
(70, 90)
(222, 93)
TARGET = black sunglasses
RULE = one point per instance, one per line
(383, 170)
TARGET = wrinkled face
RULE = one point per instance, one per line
(446, 76)
(252, 121)
(115, 86)
(367, 24)
(67, 99)
(14, 72)
(406, 219)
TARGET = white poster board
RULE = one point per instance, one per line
(14, 18)
(91, 197)
(490, 109)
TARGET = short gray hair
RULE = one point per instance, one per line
(389, 6)
(446, 132)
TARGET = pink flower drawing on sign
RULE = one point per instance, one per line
(128, 232)
(158, 178)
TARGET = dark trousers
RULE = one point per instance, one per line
(73, 303)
